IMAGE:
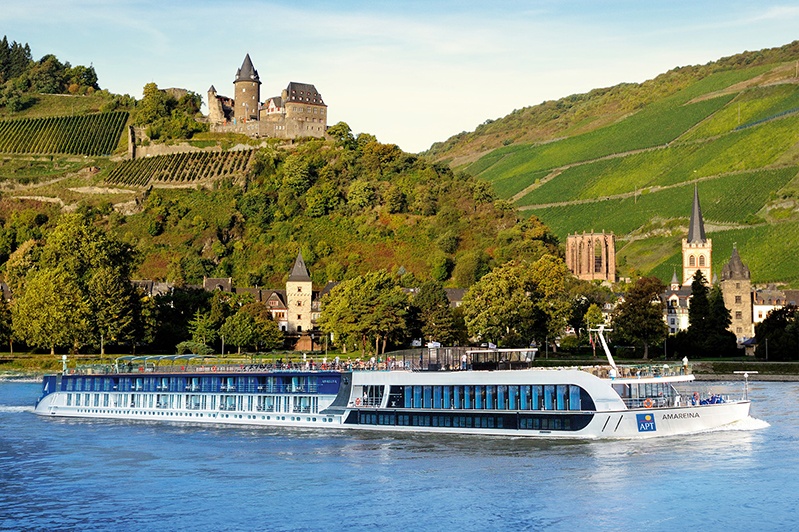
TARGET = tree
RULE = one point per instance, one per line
(518, 302)
(239, 330)
(639, 318)
(370, 307)
(709, 321)
(202, 328)
(88, 270)
(52, 311)
(111, 297)
(430, 306)
(778, 334)
(267, 333)
(699, 307)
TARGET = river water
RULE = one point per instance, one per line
(59, 474)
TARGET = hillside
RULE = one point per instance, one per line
(626, 159)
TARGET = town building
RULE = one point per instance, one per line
(299, 110)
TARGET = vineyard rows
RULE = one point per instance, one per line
(742, 150)
(180, 167)
(95, 134)
(722, 201)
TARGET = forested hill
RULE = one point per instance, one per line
(626, 158)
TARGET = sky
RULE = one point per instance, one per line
(409, 72)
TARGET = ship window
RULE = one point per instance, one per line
(537, 397)
(447, 397)
(417, 397)
(502, 398)
(549, 397)
(438, 400)
(525, 395)
(513, 397)
(428, 396)
(560, 393)
(479, 397)
(574, 398)
(491, 398)
(69, 399)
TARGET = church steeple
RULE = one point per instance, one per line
(697, 249)
(696, 229)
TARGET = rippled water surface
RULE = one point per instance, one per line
(119, 475)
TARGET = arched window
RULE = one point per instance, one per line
(598, 256)
(691, 260)
(701, 260)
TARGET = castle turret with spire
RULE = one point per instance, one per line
(697, 248)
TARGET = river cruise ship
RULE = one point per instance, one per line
(471, 397)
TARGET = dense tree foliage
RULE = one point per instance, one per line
(73, 287)
(353, 204)
(639, 318)
(708, 332)
(431, 316)
(778, 335)
(369, 310)
(518, 303)
(166, 116)
(21, 76)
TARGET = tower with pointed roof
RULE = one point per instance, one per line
(736, 287)
(299, 297)
(697, 248)
(247, 86)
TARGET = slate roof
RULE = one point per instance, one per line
(735, 268)
(247, 72)
(696, 229)
(303, 92)
(299, 273)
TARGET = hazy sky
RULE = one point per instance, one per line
(412, 72)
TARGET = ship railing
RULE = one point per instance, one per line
(632, 371)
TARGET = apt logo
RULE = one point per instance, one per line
(646, 422)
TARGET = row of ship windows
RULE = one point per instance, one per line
(262, 403)
(478, 421)
(301, 383)
(490, 397)
(211, 416)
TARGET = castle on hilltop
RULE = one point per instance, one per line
(299, 111)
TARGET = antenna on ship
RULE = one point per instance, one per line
(599, 330)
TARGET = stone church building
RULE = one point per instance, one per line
(298, 111)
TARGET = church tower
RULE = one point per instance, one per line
(299, 294)
(696, 249)
(247, 86)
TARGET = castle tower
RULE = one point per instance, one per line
(299, 293)
(592, 256)
(247, 87)
(736, 288)
(696, 249)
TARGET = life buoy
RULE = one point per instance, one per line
(648, 403)
(213, 368)
(357, 401)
